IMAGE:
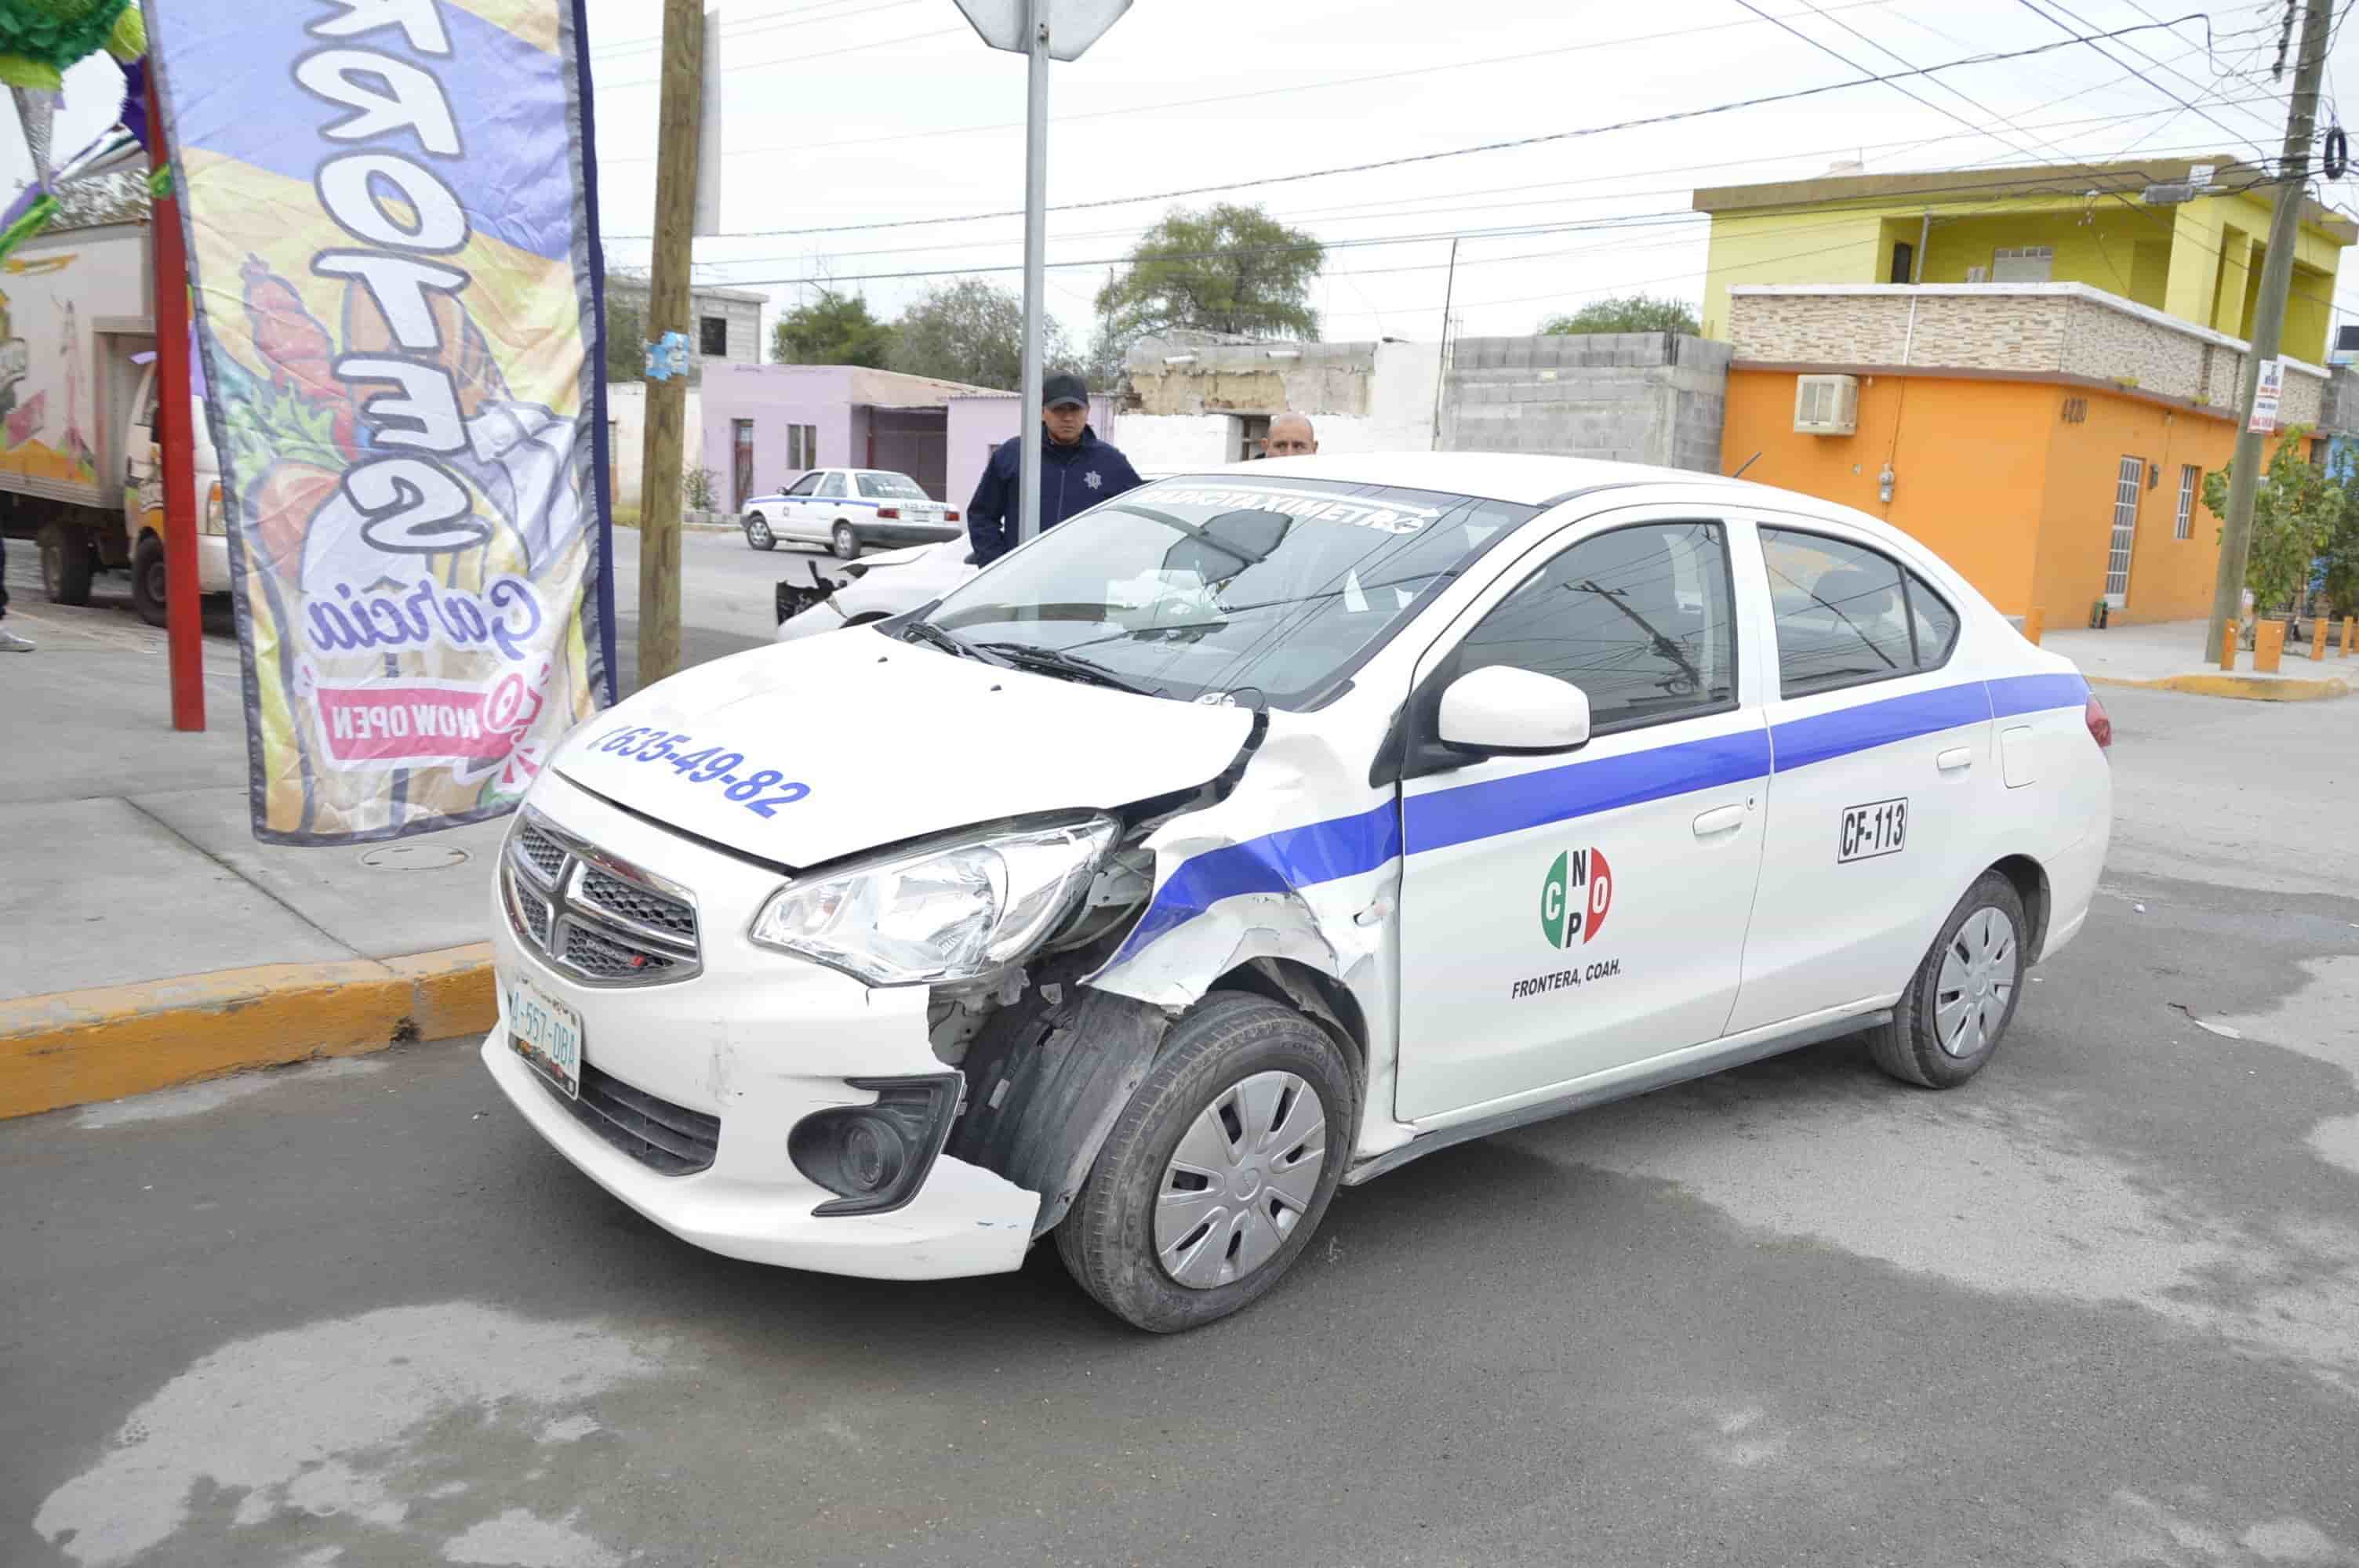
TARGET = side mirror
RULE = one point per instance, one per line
(1501, 708)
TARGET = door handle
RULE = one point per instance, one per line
(1720, 819)
(1956, 759)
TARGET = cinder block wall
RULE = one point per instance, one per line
(1641, 397)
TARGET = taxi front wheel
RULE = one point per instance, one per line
(1219, 1170)
(1948, 1024)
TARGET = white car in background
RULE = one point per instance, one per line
(1256, 833)
(892, 583)
(848, 510)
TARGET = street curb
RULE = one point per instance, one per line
(2250, 688)
(73, 1047)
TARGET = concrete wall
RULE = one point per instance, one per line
(627, 412)
(1359, 396)
(742, 310)
(980, 420)
(1644, 398)
(2041, 330)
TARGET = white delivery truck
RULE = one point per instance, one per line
(78, 466)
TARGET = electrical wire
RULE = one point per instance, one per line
(1547, 138)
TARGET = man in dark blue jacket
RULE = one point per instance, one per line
(1077, 471)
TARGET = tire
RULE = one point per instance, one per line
(1253, 1058)
(758, 535)
(69, 559)
(1981, 945)
(148, 579)
(846, 542)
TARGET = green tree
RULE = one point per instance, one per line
(2296, 509)
(1230, 269)
(972, 331)
(1626, 313)
(833, 330)
(626, 349)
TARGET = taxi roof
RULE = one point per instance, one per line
(1526, 477)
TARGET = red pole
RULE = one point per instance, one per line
(183, 613)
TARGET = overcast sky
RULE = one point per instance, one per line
(847, 113)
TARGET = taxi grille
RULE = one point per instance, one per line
(668, 1138)
(594, 917)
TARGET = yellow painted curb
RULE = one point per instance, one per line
(2248, 687)
(73, 1047)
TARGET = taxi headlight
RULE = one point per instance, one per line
(953, 911)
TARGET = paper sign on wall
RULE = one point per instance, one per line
(2266, 395)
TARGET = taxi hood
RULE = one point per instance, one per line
(891, 741)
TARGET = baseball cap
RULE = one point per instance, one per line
(1064, 387)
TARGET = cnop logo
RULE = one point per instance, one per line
(1576, 896)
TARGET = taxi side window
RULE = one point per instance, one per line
(831, 487)
(1848, 615)
(1642, 618)
(806, 484)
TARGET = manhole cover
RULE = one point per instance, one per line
(414, 856)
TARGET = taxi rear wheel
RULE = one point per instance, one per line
(1218, 1172)
(1948, 1024)
(846, 542)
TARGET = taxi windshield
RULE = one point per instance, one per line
(1197, 588)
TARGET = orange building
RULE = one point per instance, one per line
(2050, 439)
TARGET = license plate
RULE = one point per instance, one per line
(547, 1034)
(1879, 827)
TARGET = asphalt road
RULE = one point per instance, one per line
(2099, 1308)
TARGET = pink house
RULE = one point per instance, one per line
(766, 425)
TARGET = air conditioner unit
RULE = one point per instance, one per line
(1826, 404)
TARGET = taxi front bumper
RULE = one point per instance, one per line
(756, 1042)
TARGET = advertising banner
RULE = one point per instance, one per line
(392, 242)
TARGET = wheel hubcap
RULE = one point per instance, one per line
(1241, 1180)
(1977, 980)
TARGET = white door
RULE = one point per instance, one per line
(1566, 914)
(826, 505)
(1882, 773)
(793, 521)
(2126, 488)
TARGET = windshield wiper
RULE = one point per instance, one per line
(927, 632)
(1057, 661)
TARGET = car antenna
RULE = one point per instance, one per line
(1747, 464)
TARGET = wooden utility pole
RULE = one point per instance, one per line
(667, 311)
(2268, 321)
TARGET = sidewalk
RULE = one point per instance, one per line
(2166, 657)
(150, 938)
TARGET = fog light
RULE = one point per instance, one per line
(875, 1157)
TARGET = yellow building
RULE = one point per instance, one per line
(2194, 252)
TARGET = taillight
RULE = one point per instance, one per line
(889, 512)
(950, 516)
(2101, 729)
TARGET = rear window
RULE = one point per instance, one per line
(891, 487)
(1847, 614)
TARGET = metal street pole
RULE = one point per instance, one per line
(176, 442)
(1036, 242)
(2268, 325)
(667, 311)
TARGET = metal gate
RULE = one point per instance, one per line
(2125, 508)
(914, 441)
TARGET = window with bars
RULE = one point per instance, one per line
(2127, 486)
(2191, 485)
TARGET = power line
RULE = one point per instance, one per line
(1518, 58)
(770, 22)
(1673, 117)
(818, 54)
(2094, 43)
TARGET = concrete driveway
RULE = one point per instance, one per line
(2099, 1308)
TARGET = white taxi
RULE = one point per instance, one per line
(849, 510)
(1261, 830)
